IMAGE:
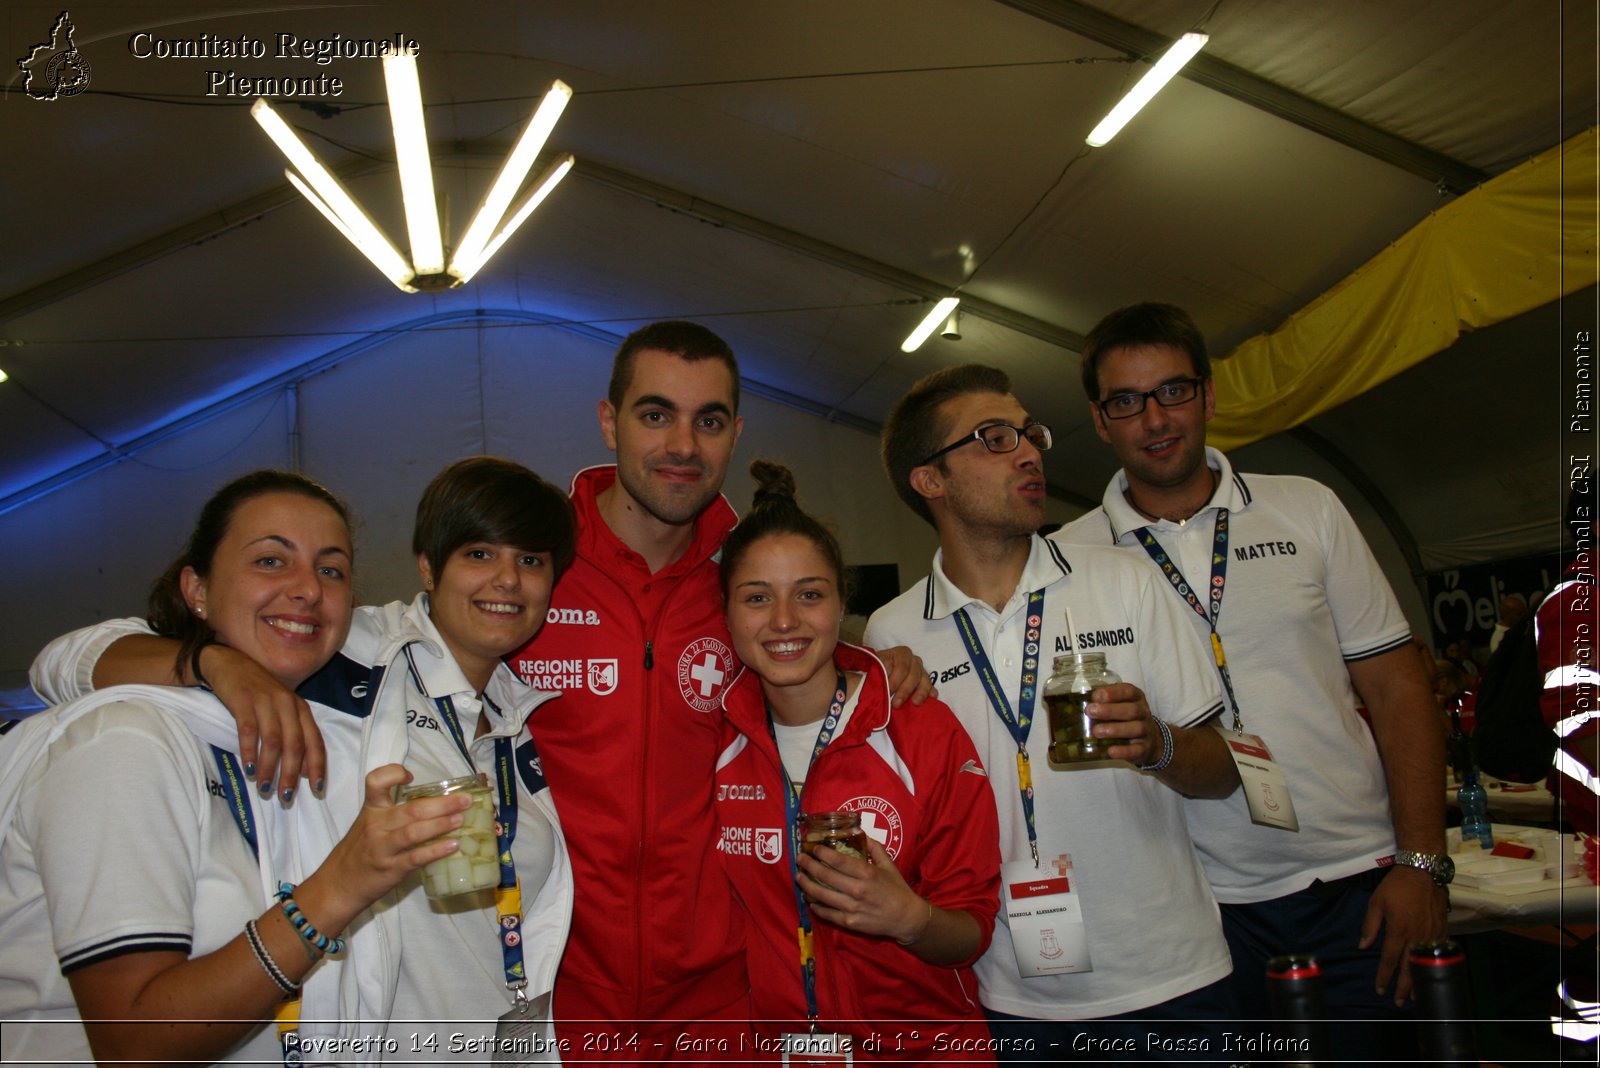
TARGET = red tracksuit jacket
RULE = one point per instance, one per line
(919, 784)
(641, 661)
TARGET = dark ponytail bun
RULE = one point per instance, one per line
(774, 511)
(774, 483)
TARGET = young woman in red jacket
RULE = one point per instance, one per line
(872, 951)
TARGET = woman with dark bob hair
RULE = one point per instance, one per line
(138, 888)
(422, 683)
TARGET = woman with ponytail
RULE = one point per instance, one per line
(137, 904)
(889, 936)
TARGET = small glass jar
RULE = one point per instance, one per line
(1073, 678)
(475, 865)
(836, 830)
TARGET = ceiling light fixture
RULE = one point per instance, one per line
(1159, 75)
(333, 200)
(941, 311)
(488, 230)
(416, 167)
(952, 327)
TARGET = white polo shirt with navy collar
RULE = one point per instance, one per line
(1303, 597)
(1153, 925)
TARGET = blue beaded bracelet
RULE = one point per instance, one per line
(302, 926)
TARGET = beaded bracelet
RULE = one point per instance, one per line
(302, 926)
(264, 959)
(1166, 748)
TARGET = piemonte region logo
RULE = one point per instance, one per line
(55, 68)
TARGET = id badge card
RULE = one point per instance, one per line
(819, 1049)
(523, 1036)
(1265, 789)
(1045, 915)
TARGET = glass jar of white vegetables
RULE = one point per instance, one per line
(476, 864)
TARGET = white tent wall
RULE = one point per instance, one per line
(376, 427)
(90, 550)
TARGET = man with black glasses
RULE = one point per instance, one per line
(1338, 833)
(1110, 929)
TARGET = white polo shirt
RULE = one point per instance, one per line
(123, 840)
(431, 1000)
(1153, 926)
(1303, 596)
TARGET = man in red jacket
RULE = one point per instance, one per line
(637, 643)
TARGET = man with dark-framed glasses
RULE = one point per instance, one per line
(999, 437)
(1129, 403)
(1127, 933)
(1273, 574)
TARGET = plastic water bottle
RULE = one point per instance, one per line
(1458, 749)
(1474, 812)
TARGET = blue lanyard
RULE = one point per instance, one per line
(233, 789)
(1018, 721)
(505, 782)
(1219, 579)
(791, 811)
(508, 895)
(238, 798)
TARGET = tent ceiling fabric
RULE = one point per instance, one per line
(1517, 243)
(798, 176)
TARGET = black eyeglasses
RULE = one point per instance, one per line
(1168, 395)
(999, 437)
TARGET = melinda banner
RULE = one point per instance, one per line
(1464, 602)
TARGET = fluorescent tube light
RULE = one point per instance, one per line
(338, 224)
(416, 169)
(487, 222)
(541, 189)
(360, 229)
(490, 228)
(1159, 75)
(935, 318)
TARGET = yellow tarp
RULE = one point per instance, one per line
(1513, 244)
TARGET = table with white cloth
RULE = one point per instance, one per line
(1497, 891)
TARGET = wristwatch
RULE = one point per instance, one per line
(1438, 866)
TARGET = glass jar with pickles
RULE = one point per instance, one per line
(1073, 678)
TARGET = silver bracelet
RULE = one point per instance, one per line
(1166, 747)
